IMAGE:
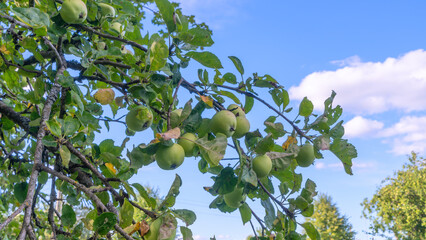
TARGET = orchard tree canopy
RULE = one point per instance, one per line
(399, 206)
(328, 220)
(68, 68)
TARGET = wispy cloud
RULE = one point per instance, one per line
(370, 87)
(339, 166)
(409, 134)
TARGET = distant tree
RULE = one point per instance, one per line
(399, 205)
(329, 221)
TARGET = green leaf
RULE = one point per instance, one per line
(207, 59)
(104, 223)
(65, 155)
(245, 213)
(249, 176)
(345, 152)
(43, 177)
(229, 77)
(169, 200)
(144, 194)
(54, 127)
(198, 37)
(225, 182)
(20, 191)
(71, 126)
(311, 231)
(248, 105)
(269, 212)
(167, 11)
(237, 64)
(214, 150)
(286, 98)
(280, 160)
(337, 131)
(49, 141)
(186, 233)
(126, 214)
(68, 216)
(138, 158)
(158, 53)
(309, 211)
(306, 107)
(301, 203)
(230, 95)
(185, 215)
(32, 16)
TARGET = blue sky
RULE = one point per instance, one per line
(369, 52)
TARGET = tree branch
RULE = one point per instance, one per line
(296, 128)
(286, 210)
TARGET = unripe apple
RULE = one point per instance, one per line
(73, 11)
(235, 198)
(223, 122)
(170, 157)
(116, 27)
(262, 165)
(106, 10)
(243, 126)
(306, 156)
(104, 96)
(139, 118)
(187, 141)
(237, 110)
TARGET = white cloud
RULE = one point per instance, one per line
(362, 127)
(370, 87)
(409, 134)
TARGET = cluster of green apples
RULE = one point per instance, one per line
(171, 157)
(75, 12)
(231, 122)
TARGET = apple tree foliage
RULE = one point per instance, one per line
(398, 209)
(51, 166)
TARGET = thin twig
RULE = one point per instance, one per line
(285, 209)
(300, 132)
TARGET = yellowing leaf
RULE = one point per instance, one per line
(156, 140)
(4, 50)
(132, 228)
(144, 228)
(111, 167)
(171, 134)
(207, 100)
(290, 140)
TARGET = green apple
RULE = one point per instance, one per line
(170, 157)
(187, 141)
(237, 110)
(73, 11)
(243, 126)
(101, 46)
(262, 165)
(306, 156)
(139, 118)
(106, 10)
(104, 96)
(223, 122)
(235, 198)
(116, 27)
